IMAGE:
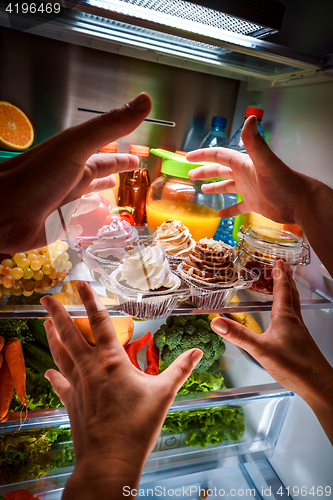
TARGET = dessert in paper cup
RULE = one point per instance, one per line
(112, 244)
(210, 273)
(144, 284)
(176, 239)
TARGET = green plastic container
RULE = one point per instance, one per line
(6, 155)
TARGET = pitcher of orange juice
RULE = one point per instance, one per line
(175, 196)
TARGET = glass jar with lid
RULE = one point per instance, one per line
(260, 247)
(174, 196)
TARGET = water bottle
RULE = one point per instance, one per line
(236, 140)
(216, 137)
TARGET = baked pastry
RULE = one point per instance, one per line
(211, 262)
(144, 285)
(175, 237)
(115, 240)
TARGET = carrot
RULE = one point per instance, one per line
(14, 356)
(2, 342)
(1, 359)
(6, 389)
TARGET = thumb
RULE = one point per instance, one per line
(179, 371)
(90, 136)
(257, 148)
(238, 334)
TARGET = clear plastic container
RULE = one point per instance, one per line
(175, 196)
(260, 247)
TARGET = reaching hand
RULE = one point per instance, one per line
(267, 185)
(287, 350)
(56, 172)
(116, 411)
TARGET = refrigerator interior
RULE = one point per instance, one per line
(59, 78)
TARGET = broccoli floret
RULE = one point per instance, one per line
(174, 336)
(214, 367)
(159, 338)
(201, 324)
(169, 356)
(202, 336)
(180, 321)
(188, 342)
(169, 321)
(190, 329)
(181, 333)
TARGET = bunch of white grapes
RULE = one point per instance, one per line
(36, 270)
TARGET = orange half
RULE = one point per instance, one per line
(16, 132)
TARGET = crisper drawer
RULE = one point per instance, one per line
(245, 422)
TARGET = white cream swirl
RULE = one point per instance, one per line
(175, 237)
(114, 240)
(146, 268)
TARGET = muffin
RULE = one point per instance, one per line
(144, 283)
(175, 238)
(211, 273)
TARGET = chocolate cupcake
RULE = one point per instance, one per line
(211, 262)
(210, 265)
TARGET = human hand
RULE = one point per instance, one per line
(116, 411)
(287, 350)
(61, 170)
(267, 185)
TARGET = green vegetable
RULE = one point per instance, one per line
(39, 394)
(181, 333)
(210, 426)
(33, 453)
(23, 456)
(15, 328)
(36, 327)
(38, 358)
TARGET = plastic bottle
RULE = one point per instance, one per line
(236, 140)
(216, 136)
(139, 184)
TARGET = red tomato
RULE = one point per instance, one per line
(94, 220)
(19, 495)
(121, 213)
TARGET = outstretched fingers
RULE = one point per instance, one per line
(239, 335)
(178, 372)
(60, 356)
(60, 385)
(265, 160)
(90, 136)
(100, 321)
(72, 340)
(282, 292)
(227, 186)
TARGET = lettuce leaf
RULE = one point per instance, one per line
(39, 394)
(209, 426)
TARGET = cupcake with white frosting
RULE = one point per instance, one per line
(144, 283)
(175, 238)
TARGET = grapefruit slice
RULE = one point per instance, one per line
(16, 132)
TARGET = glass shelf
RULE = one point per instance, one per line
(249, 302)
